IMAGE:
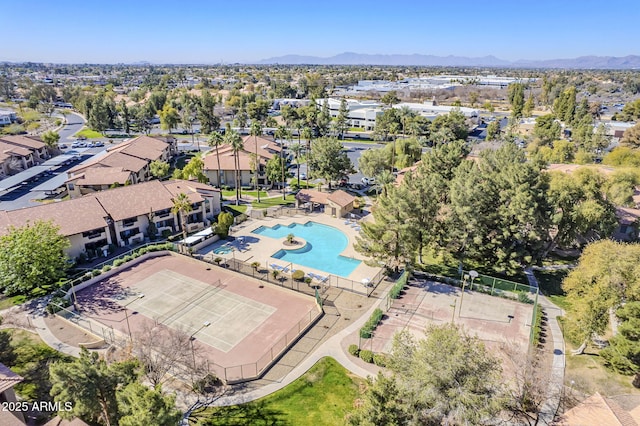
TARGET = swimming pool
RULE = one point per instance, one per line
(322, 251)
(223, 249)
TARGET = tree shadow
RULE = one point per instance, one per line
(256, 413)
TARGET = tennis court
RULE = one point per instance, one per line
(236, 322)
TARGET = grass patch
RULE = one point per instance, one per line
(31, 360)
(89, 134)
(5, 302)
(550, 281)
(272, 202)
(232, 193)
(587, 373)
(322, 396)
(560, 301)
(235, 210)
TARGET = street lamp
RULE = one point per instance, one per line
(192, 338)
(126, 314)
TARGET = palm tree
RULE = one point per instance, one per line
(234, 140)
(296, 148)
(307, 133)
(182, 206)
(282, 133)
(215, 140)
(256, 130)
(385, 178)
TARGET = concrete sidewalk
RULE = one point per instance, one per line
(556, 380)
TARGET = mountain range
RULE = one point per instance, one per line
(350, 58)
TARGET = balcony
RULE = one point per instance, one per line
(129, 223)
(192, 227)
(95, 236)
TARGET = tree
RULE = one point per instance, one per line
(453, 124)
(296, 149)
(50, 139)
(140, 405)
(125, 116)
(341, 119)
(606, 275)
(195, 169)
(388, 237)
(623, 352)
(390, 98)
(527, 110)
(329, 161)
(546, 129)
(91, 385)
(234, 140)
(374, 161)
(209, 121)
(275, 169)
(182, 207)
(256, 130)
(159, 168)
(169, 117)
(215, 140)
(225, 220)
(382, 404)
(493, 131)
(32, 256)
(446, 378)
(631, 137)
(516, 99)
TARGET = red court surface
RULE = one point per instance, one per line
(239, 324)
(494, 320)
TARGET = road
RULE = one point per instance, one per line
(74, 123)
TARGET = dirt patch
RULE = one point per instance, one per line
(68, 333)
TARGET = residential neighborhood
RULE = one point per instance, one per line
(293, 218)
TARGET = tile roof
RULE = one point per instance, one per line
(24, 141)
(72, 216)
(127, 162)
(596, 411)
(134, 200)
(312, 195)
(8, 378)
(341, 198)
(90, 212)
(227, 161)
(7, 148)
(102, 176)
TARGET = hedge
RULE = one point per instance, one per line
(354, 350)
(366, 355)
(367, 330)
(395, 291)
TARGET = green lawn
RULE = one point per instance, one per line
(275, 201)
(322, 396)
(235, 210)
(232, 193)
(5, 302)
(31, 359)
(89, 134)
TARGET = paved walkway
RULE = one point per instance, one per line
(556, 382)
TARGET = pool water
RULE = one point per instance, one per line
(322, 251)
(224, 249)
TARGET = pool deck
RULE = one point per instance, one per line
(251, 247)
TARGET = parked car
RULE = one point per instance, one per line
(303, 175)
(368, 181)
(98, 143)
(62, 146)
(78, 144)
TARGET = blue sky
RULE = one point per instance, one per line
(111, 31)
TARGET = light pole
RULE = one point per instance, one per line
(126, 314)
(192, 338)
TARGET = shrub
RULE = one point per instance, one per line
(62, 282)
(380, 360)
(255, 265)
(37, 292)
(166, 233)
(127, 258)
(395, 291)
(523, 297)
(366, 355)
(298, 275)
(56, 304)
(290, 238)
(354, 350)
(367, 330)
(106, 268)
(118, 262)
(307, 280)
(96, 272)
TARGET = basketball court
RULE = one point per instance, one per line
(494, 320)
